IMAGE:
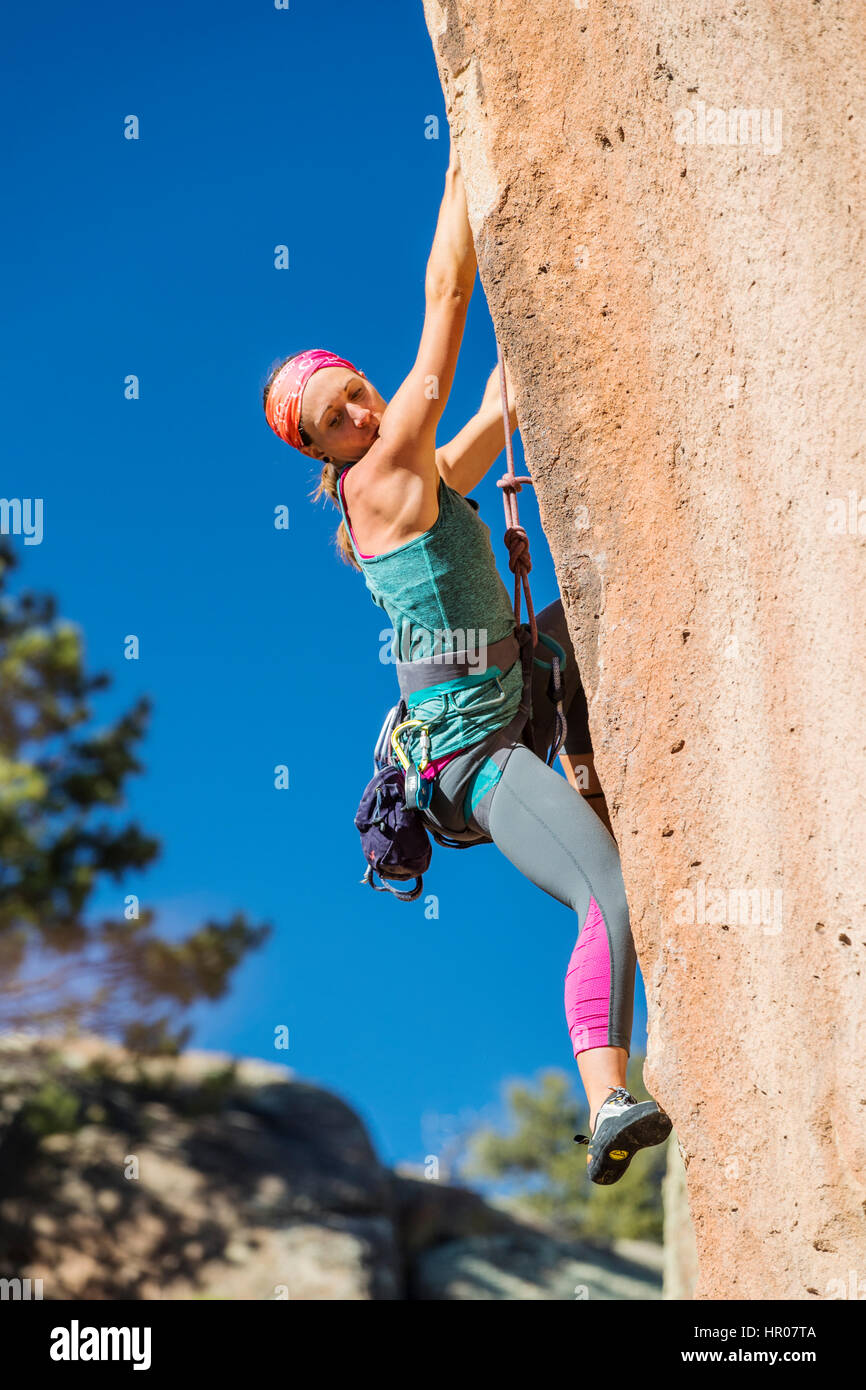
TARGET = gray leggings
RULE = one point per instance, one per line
(503, 790)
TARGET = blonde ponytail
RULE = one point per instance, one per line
(328, 485)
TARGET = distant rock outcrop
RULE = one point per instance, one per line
(209, 1177)
(667, 205)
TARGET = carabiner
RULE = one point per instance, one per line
(407, 724)
(425, 748)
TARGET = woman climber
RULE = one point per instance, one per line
(428, 562)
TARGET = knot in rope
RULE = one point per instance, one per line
(518, 550)
(515, 536)
(511, 483)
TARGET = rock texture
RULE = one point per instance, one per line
(680, 1255)
(208, 1177)
(678, 287)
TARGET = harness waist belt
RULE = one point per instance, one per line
(418, 675)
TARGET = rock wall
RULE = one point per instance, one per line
(667, 200)
(680, 1254)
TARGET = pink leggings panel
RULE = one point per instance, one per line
(588, 985)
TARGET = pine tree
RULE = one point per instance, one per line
(59, 780)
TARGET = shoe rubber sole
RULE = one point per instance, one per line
(617, 1140)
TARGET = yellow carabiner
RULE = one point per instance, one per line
(407, 724)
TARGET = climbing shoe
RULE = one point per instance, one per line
(622, 1126)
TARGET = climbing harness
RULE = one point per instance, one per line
(415, 676)
(391, 817)
(394, 833)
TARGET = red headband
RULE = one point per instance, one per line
(283, 405)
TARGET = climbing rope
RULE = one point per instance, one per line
(516, 539)
(519, 561)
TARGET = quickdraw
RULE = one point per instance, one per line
(419, 790)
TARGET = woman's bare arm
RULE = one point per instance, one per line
(465, 459)
(452, 263)
(397, 483)
(408, 425)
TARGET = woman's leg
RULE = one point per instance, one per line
(546, 829)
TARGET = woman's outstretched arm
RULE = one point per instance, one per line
(408, 425)
(451, 265)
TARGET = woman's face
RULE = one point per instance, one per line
(340, 412)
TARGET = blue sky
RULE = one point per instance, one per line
(258, 127)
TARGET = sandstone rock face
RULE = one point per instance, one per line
(680, 1255)
(667, 205)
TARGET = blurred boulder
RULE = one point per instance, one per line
(209, 1177)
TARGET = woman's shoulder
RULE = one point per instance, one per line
(384, 484)
(388, 505)
(373, 481)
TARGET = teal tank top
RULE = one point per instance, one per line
(442, 591)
